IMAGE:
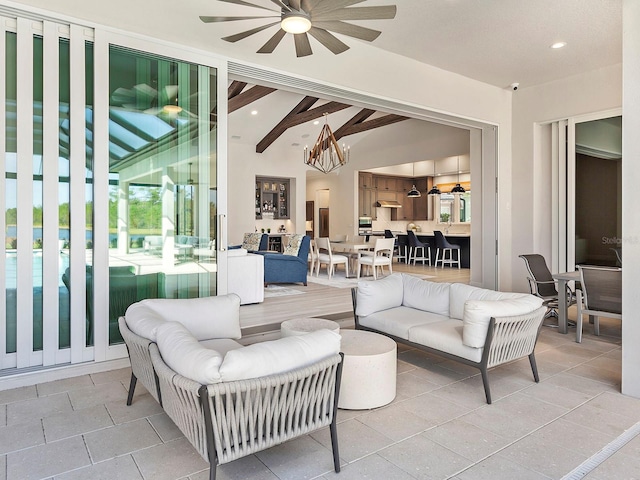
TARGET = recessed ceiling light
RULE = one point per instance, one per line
(295, 144)
(306, 135)
(559, 45)
(254, 112)
(236, 137)
(316, 122)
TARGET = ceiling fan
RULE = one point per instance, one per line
(315, 17)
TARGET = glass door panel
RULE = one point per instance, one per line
(162, 174)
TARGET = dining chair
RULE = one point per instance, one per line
(600, 295)
(381, 255)
(443, 245)
(313, 256)
(414, 246)
(396, 245)
(325, 256)
(542, 284)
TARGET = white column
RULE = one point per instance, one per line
(630, 182)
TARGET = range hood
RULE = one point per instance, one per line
(388, 203)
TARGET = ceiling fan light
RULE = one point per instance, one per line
(295, 22)
(171, 109)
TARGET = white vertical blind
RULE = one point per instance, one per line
(50, 220)
(3, 226)
(77, 234)
(24, 141)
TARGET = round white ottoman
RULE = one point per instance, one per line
(369, 370)
(300, 326)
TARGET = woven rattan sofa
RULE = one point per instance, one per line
(478, 327)
(231, 400)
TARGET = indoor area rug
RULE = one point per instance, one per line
(338, 280)
(271, 291)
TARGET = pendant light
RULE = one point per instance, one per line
(434, 190)
(414, 192)
(458, 188)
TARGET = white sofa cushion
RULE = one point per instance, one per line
(379, 295)
(445, 336)
(143, 321)
(205, 318)
(459, 293)
(398, 321)
(427, 296)
(237, 252)
(478, 313)
(186, 356)
(279, 356)
(221, 345)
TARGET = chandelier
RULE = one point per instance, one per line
(326, 155)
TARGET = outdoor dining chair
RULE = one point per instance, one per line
(601, 295)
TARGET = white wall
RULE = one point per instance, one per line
(630, 182)
(595, 91)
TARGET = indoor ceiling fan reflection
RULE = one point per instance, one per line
(302, 18)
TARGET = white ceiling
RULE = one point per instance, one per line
(494, 41)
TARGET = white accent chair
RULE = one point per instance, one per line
(245, 275)
(381, 256)
(326, 257)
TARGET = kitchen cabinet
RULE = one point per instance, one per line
(272, 198)
(386, 195)
(386, 183)
(366, 200)
(406, 212)
(365, 180)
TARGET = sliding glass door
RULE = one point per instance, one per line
(161, 175)
(109, 190)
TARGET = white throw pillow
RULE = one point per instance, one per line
(426, 296)
(143, 321)
(205, 318)
(478, 313)
(279, 356)
(379, 295)
(182, 352)
(459, 293)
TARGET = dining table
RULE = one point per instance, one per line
(563, 302)
(351, 250)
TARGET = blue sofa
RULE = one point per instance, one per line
(281, 268)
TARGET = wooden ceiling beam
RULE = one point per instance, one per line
(318, 112)
(235, 88)
(304, 105)
(371, 124)
(359, 117)
(243, 99)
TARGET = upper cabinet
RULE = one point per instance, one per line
(387, 183)
(365, 180)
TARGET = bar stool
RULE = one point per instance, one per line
(396, 246)
(444, 245)
(414, 246)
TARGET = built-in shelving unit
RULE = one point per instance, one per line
(272, 198)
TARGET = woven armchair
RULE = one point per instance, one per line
(229, 420)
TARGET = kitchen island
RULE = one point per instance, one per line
(462, 239)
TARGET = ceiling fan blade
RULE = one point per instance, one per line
(241, 35)
(295, 4)
(303, 47)
(350, 30)
(232, 19)
(359, 13)
(281, 4)
(323, 6)
(273, 42)
(247, 4)
(328, 40)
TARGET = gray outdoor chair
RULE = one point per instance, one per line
(601, 295)
(542, 284)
